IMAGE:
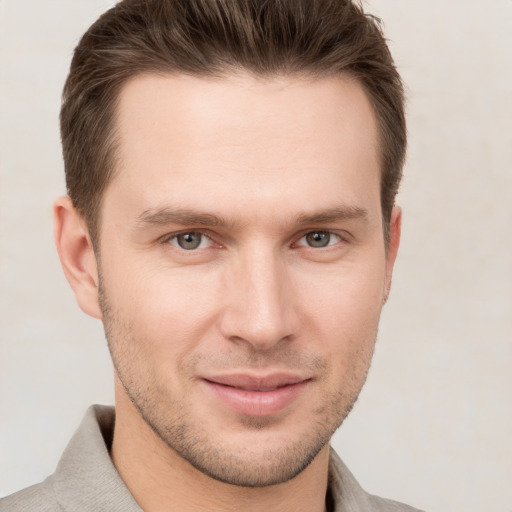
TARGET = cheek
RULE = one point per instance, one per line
(343, 316)
(168, 311)
(345, 302)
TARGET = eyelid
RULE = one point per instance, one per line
(166, 239)
(343, 237)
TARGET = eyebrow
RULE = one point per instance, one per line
(333, 215)
(164, 216)
(186, 217)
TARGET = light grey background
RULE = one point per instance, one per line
(433, 426)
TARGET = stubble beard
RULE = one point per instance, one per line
(170, 419)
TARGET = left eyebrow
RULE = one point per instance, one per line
(333, 215)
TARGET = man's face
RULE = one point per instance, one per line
(243, 267)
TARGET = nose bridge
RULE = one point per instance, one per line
(260, 309)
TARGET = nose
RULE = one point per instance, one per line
(259, 302)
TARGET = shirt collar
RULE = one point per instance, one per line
(86, 478)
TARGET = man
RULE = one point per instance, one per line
(232, 167)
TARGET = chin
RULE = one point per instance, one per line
(256, 452)
(254, 468)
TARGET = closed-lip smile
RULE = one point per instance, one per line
(257, 395)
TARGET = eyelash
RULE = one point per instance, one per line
(330, 234)
(174, 237)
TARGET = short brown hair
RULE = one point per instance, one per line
(213, 37)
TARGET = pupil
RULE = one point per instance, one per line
(189, 240)
(318, 239)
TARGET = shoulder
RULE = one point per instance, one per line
(349, 496)
(384, 505)
(37, 498)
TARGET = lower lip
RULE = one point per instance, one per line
(258, 403)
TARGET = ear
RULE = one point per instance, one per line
(76, 255)
(395, 227)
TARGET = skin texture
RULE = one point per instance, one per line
(259, 173)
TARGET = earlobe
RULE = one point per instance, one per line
(76, 255)
(395, 227)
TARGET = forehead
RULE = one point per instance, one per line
(245, 138)
(245, 108)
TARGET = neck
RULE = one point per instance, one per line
(159, 479)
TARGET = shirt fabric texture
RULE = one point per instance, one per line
(86, 480)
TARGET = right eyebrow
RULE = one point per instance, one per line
(184, 217)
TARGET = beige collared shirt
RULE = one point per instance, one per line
(87, 481)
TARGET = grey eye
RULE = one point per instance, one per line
(318, 238)
(189, 241)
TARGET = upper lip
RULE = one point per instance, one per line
(250, 382)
